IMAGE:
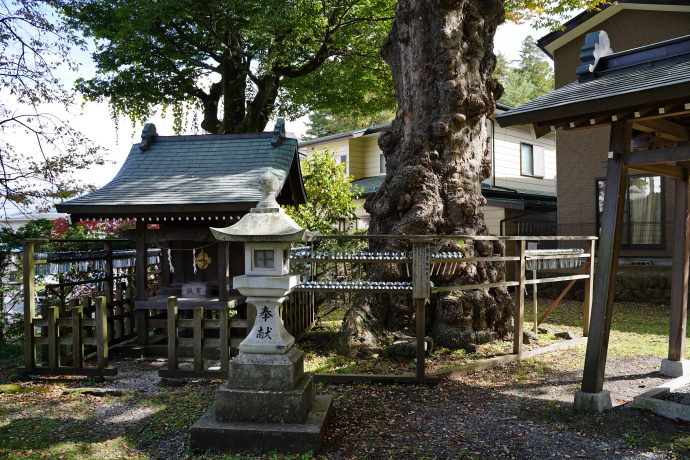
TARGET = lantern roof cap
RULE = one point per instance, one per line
(267, 222)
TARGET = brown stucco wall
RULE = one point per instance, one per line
(581, 153)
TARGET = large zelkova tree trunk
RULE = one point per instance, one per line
(437, 154)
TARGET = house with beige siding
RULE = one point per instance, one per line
(630, 25)
(520, 194)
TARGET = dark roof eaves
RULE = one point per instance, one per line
(532, 112)
(345, 135)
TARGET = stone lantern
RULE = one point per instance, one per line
(268, 402)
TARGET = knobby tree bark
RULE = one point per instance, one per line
(437, 154)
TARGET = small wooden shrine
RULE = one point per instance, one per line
(175, 188)
(644, 96)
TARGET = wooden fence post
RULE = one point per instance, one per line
(421, 290)
(101, 333)
(172, 333)
(129, 315)
(29, 304)
(224, 339)
(589, 289)
(109, 277)
(77, 345)
(198, 339)
(519, 312)
(118, 317)
(52, 314)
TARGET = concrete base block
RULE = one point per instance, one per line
(209, 434)
(268, 372)
(271, 406)
(592, 402)
(650, 400)
(674, 368)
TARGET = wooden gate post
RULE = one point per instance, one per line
(679, 282)
(605, 281)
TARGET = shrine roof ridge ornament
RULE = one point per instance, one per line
(267, 221)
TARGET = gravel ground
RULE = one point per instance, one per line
(483, 415)
(679, 395)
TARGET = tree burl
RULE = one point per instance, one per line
(437, 154)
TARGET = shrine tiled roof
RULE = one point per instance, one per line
(654, 75)
(184, 175)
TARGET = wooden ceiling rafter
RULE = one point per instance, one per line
(657, 161)
(663, 127)
(639, 116)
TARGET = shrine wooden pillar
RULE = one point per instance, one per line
(223, 271)
(164, 266)
(605, 279)
(141, 259)
(141, 283)
(679, 276)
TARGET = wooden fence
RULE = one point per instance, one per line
(208, 334)
(420, 265)
(59, 332)
(62, 335)
(206, 337)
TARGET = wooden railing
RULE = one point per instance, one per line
(420, 265)
(205, 337)
(61, 330)
(62, 335)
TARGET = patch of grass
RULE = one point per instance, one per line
(11, 357)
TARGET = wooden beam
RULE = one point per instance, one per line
(664, 127)
(676, 172)
(609, 245)
(648, 157)
(679, 274)
(539, 131)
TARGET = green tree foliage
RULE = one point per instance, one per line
(531, 78)
(39, 150)
(322, 124)
(330, 195)
(239, 61)
(547, 13)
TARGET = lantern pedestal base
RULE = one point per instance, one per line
(209, 434)
(267, 404)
